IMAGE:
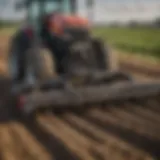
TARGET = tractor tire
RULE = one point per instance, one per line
(40, 63)
(39, 68)
(111, 59)
(106, 59)
(13, 61)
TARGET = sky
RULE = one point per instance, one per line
(105, 11)
(124, 10)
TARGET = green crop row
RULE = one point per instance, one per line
(133, 40)
(145, 41)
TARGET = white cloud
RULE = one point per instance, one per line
(104, 11)
(125, 10)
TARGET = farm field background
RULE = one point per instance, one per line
(136, 40)
(144, 41)
(141, 43)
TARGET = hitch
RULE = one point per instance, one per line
(91, 95)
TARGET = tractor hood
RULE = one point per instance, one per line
(75, 21)
(57, 22)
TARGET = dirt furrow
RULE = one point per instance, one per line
(31, 147)
(126, 111)
(72, 139)
(7, 147)
(136, 120)
(145, 113)
(109, 144)
(126, 122)
(155, 104)
(139, 67)
(112, 144)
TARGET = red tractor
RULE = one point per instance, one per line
(54, 28)
(55, 61)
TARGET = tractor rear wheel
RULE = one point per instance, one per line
(106, 59)
(40, 65)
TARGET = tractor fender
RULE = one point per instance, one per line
(106, 59)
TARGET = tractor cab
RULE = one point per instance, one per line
(38, 11)
(55, 17)
(55, 24)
